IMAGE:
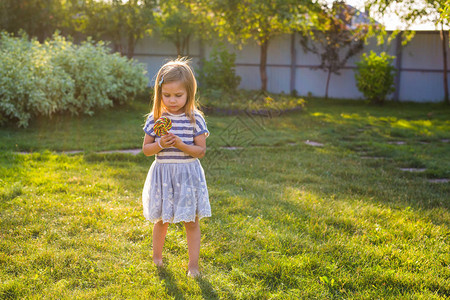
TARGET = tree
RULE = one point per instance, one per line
(261, 20)
(444, 19)
(139, 21)
(38, 18)
(176, 23)
(114, 20)
(89, 17)
(411, 11)
(334, 38)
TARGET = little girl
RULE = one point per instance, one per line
(175, 189)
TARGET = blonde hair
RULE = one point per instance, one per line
(176, 70)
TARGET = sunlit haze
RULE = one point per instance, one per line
(391, 20)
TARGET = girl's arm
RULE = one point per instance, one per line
(197, 150)
(150, 147)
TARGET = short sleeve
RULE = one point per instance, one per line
(148, 127)
(200, 126)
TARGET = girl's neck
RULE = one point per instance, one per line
(172, 114)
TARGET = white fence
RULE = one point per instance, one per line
(289, 67)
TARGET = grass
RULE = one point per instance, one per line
(289, 220)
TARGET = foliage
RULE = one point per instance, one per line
(57, 76)
(410, 12)
(128, 78)
(176, 24)
(445, 14)
(259, 20)
(139, 21)
(218, 72)
(118, 21)
(39, 18)
(334, 38)
(239, 21)
(375, 76)
(29, 83)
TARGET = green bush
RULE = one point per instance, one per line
(375, 76)
(58, 76)
(28, 85)
(218, 73)
(86, 66)
(129, 79)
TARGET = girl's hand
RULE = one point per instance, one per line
(167, 140)
(197, 150)
(176, 140)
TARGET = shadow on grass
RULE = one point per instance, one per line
(172, 288)
(208, 291)
(170, 283)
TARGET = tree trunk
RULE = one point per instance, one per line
(293, 65)
(187, 44)
(262, 65)
(328, 84)
(131, 44)
(398, 66)
(117, 47)
(178, 44)
(444, 52)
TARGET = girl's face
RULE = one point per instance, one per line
(174, 97)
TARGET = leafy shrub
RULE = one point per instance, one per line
(218, 73)
(86, 66)
(375, 76)
(129, 79)
(28, 84)
(57, 76)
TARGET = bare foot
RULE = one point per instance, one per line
(194, 273)
(158, 263)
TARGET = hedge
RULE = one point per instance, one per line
(57, 76)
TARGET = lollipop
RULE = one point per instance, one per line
(162, 126)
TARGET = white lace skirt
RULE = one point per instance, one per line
(175, 192)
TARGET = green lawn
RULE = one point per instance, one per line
(289, 220)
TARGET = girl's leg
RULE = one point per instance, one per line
(159, 236)
(193, 241)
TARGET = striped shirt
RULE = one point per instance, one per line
(181, 127)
